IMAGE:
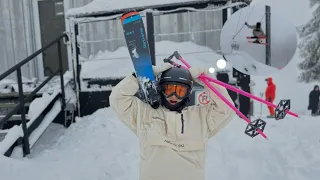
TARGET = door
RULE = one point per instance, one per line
(52, 25)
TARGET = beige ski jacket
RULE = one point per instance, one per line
(172, 144)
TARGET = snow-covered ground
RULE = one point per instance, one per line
(100, 147)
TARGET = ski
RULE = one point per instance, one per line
(258, 40)
(135, 37)
(262, 43)
(259, 37)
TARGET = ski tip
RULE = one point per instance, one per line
(128, 14)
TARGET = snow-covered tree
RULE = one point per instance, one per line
(309, 47)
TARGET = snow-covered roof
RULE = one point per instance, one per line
(99, 7)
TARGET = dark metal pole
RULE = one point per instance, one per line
(63, 100)
(78, 69)
(268, 35)
(235, 73)
(150, 36)
(224, 15)
(26, 145)
(78, 65)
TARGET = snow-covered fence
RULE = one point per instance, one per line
(202, 28)
(179, 21)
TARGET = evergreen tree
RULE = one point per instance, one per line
(309, 47)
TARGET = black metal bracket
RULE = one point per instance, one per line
(282, 109)
(253, 126)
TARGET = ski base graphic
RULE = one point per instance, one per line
(135, 36)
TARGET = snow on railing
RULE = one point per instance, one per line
(13, 134)
(36, 108)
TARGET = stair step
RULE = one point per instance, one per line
(16, 95)
(12, 105)
(3, 134)
(14, 117)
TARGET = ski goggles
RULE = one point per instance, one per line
(180, 91)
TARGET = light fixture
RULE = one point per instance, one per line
(211, 70)
(221, 63)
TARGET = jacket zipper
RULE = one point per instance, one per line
(182, 124)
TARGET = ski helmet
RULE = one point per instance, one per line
(179, 77)
(258, 24)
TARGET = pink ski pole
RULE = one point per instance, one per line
(233, 88)
(245, 93)
(230, 105)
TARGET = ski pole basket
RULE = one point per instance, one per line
(282, 109)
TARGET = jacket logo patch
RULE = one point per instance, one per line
(174, 144)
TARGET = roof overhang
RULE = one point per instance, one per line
(98, 9)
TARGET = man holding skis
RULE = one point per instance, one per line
(173, 138)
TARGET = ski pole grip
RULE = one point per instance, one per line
(167, 60)
(177, 55)
(171, 62)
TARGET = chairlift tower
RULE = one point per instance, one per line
(268, 35)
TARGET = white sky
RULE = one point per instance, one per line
(298, 11)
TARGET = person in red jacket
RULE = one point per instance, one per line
(270, 95)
